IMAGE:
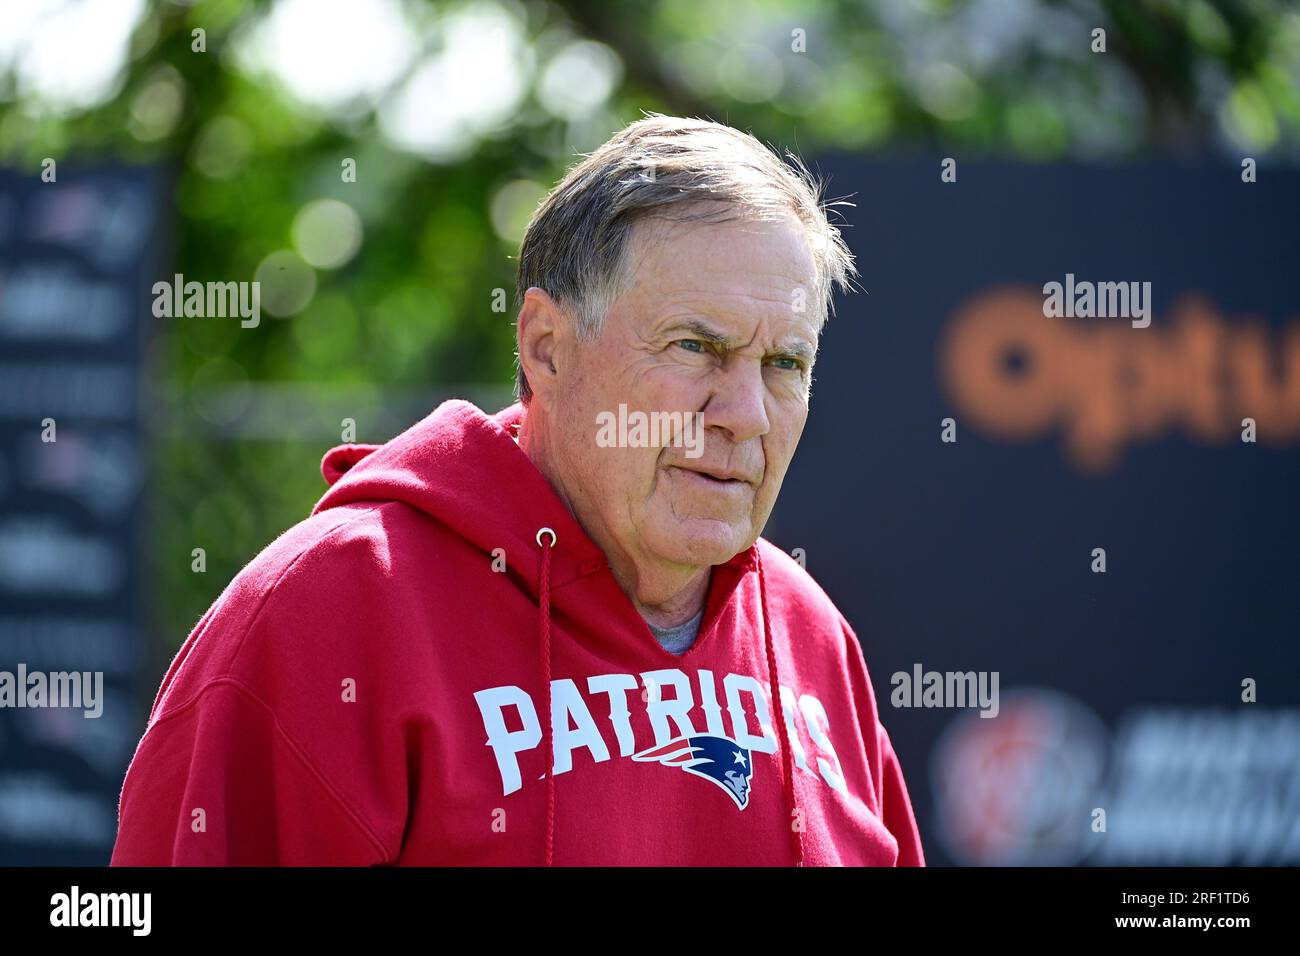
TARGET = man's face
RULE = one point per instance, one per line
(716, 319)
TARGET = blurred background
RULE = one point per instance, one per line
(372, 163)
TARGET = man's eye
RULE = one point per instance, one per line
(792, 364)
(691, 345)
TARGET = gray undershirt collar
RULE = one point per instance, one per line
(677, 640)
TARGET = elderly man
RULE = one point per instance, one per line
(553, 635)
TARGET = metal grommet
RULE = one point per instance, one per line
(542, 531)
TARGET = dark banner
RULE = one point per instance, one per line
(77, 254)
(1052, 477)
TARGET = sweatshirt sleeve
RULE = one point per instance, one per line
(897, 806)
(217, 782)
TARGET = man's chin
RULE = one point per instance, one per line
(702, 542)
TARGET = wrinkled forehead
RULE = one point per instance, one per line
(742, 264)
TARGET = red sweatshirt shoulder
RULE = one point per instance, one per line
(293, 676)
(220, 632)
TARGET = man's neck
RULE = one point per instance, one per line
(680, 607)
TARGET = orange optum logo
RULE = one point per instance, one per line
(1015, 375)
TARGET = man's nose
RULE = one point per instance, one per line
(738, 401)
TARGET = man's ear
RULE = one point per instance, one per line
(541, 327)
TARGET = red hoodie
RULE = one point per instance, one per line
(374, 688)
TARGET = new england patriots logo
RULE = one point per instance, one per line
(719, 759)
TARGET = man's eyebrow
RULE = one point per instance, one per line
(795, 348)
(705, 331)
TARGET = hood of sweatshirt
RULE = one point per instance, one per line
(467, 470)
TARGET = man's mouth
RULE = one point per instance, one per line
(717, 479)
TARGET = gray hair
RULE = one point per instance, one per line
(683, 170)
